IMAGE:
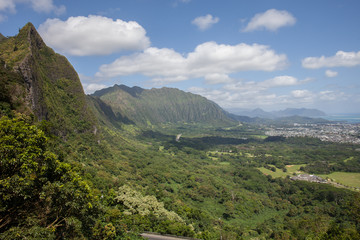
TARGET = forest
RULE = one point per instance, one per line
(205, 187)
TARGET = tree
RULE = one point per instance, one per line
(40, 196)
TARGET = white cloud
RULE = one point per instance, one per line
(332, 95)
(257, 87)
(46, 6)
(234, 99)
(301, 93)
(205, 22)
(251, 94)
(341, 59)
(280, 81)
(271, 20)
(208, 59)
(93, 35)
(8, 5)
(92, 87)
(217, 78)
(330, 73)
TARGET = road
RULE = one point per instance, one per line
(160, 237)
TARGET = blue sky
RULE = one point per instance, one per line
(242, 54)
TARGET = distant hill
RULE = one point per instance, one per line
(164, 105)
(279, 121)
(288, 112)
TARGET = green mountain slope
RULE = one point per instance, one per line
(44, 83)
(165, 105)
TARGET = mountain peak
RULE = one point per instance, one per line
(48, 81)
(30, 34)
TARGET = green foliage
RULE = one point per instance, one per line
(40, 195)
(12, 92)
(161, 106)
(37, 78)
(136, 203)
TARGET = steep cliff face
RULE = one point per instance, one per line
(51, 87)
(165, 105)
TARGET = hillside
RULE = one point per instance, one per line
(42, 83)
(165, 105)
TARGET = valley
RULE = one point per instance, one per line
(127, 160)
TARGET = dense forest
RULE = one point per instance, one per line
(92, 167)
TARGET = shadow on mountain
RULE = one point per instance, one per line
(106, 113)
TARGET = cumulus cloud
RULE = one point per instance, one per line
(208, 59)
(205, 22)
(341, 59)
(301, 93)
(247, 87)
(251, 94)
(332, 95)
(280, 81)
(235, 99)
(330, 73)
(217, 78)
(46, 6)
(8, 5)
(93, 35)
(92, 87)
(270, 20)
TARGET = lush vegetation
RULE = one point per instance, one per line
(123, 162)
(41, 196)
(154, 106)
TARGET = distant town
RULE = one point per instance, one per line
(330, 132)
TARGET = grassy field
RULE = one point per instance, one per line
(345, 178)
(291, 169)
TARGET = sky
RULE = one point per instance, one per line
(241, 54)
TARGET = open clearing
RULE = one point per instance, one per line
(345, 178)
(291, 169)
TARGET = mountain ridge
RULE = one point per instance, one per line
(48, 82)
(161, 105)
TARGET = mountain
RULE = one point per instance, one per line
(36, 80)
(303, 112)
(288, 112)
(154, 106)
